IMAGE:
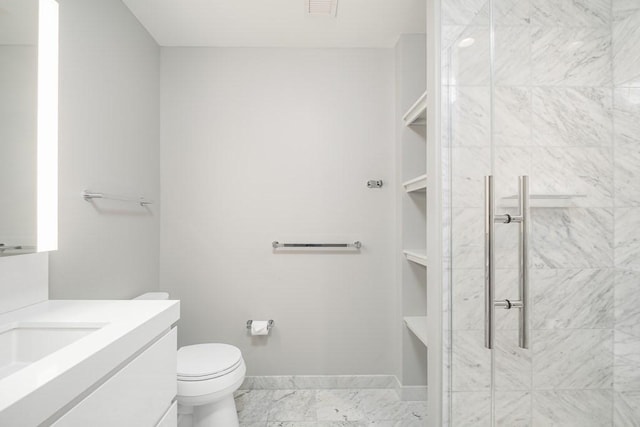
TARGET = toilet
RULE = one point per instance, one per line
(208, 375)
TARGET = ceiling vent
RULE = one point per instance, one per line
(322, 7)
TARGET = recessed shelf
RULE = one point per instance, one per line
(416, 184)
(417, 113)
(417, 325)
(419, 256)
(543, 200)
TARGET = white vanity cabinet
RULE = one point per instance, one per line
(140, 393)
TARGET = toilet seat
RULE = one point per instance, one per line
(203, 362)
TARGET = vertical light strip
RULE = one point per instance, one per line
(47, 180)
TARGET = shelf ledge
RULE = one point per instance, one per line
(416, 184)
(417, 113)
(544, 200)
(416, 255)
(417, 325)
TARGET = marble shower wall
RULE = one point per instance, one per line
(626, 114)
(563, 108)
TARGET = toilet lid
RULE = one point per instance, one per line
(207, 360)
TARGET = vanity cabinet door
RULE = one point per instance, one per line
(138, 395)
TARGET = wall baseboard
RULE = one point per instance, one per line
(318, 382)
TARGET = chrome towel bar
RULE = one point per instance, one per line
(277, 245)
(89, 195)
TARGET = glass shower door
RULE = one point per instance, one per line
(543, 296)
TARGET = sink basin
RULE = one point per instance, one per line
(24, 343)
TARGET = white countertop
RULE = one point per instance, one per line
(39, 390)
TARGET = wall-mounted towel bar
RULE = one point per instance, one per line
(89, 195)
(277, 245)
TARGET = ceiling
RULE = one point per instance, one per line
(278, 23)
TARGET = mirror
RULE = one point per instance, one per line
(28, 125)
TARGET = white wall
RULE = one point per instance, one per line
(18, 121)
(23, 281)
(277, 144)
(109, 142)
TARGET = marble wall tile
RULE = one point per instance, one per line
(626, 408)
(571, 56)
(576, 299)
(572, 408)
(314, 382)
(511, 12)
(451, 35)
(626, 49)
(625, 114)
(468, 299)
(471, 117)
(572, 238)
(627, 146)
(574, 13)
(469, 165)
(585, 171)
(627, 302)
(627, 165)
(626, 365)
(575, 117)
(512, 55)
(509, 163)
(471, 409)
(470, 63)
(512, 363)
(471, 362)
(512, 116)
(507, 287)
(572, 358)
(513, 409)
(627, 238)
(465, 12)
(467, 239)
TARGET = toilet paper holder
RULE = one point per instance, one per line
(270, 324)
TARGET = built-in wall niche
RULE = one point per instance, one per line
(28, 126)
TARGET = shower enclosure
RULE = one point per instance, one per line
(540, 137)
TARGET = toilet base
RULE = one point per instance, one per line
(221, 413)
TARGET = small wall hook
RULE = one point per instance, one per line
(374, 183)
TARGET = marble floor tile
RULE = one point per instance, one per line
(293, 405)
(328, 408)
(253, 405)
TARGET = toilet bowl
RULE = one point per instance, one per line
(208, 375)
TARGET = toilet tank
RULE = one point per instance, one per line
(154, 295)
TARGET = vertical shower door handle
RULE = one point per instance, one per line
(489, 262)
(522, 302)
